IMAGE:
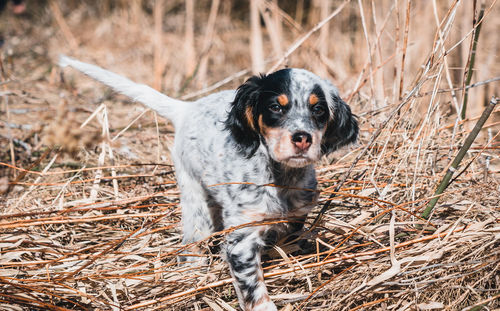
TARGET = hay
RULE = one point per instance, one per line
(93, 224)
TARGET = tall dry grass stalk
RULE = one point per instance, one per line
(63, 26)
(207, 42)
(477, 22)
(256, 48)
(405, 45)
(189, 46)
(323, 39)
(273, 25)
(158, 40)
(5, 100)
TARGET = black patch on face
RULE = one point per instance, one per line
(320, 119)
(275, 85)
(342, 129)
(255, 95)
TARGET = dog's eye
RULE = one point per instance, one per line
(318, 110)
(276, 108)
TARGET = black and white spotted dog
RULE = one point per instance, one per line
(232, 145)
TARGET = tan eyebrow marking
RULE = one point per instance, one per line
(283, 100)
(313, 99)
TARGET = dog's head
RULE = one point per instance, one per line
(298, 117)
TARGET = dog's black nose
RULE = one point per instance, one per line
(302, 140)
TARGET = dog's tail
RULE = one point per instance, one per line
(167, 107)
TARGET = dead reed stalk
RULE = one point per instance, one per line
(158, 44)
(189, 48)
(472, 57)
(272, 25)
(5, 99)
(61, 22)
(207, 42)
(256, 48)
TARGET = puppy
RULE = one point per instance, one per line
(244, 156)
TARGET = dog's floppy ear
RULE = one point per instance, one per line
(342, 129)
(241, 120)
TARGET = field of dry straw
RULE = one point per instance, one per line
(89, 210)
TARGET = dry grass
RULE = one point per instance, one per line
(93, 224)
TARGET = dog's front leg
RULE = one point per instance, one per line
(243, 248)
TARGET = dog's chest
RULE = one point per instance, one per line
(298, 193)
(258, 191)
